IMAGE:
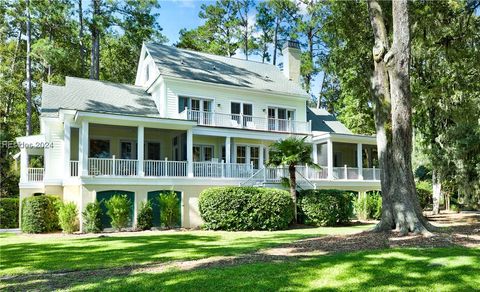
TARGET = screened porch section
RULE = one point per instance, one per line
(347, 161)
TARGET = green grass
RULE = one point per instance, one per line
(434, 269)
(23, 254)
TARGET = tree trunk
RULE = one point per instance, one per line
(95, 56)
(293, 188)
(80, 37)
(275, 41)
(437, 192)
(391, 89)
(29, 72)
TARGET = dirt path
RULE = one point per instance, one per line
(462, 230)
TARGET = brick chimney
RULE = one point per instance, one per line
(291, 60)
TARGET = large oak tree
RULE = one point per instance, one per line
(393, 117)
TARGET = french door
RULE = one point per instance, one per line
(279, 119)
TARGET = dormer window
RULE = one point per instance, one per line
(147, 71)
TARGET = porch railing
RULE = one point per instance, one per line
(73, 168)
(240, 121)
(35, 174)
(221, 169)
(165, 168)
(112, 167)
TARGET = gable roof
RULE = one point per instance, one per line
(323, 121)
(97, 96)
(192, 65)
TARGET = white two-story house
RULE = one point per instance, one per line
(191, 121)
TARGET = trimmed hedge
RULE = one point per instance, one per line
(326, 207)
(245, 208)
(39, 214)
(9, 208)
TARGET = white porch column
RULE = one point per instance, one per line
(190, 153)
(66, 147)
(330, 159)
(359, 161)
(140, 150)
(261, 159)
(315, 153)
(83, 150)
(228, 150)
(23, 165)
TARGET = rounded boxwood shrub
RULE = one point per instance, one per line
(9, 209)
(326, 207)
(39, 214)
(145, 216)
(67, 217)
(92, 218)
(245, 208)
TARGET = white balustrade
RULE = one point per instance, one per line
(165, 168)
(35, 174)
(246, 122)
(112, 167)
(73, 168)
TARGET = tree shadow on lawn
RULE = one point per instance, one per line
(114, 251)
(398, 269)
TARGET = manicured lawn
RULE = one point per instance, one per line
(437, 269)
(432, 269)
(23, 254)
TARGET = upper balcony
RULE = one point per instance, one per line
(248, 122)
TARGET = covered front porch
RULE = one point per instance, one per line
(113, 151)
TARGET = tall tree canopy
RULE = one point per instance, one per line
(62, 35)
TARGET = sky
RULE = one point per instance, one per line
(178, 14)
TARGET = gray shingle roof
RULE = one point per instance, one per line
(323, 121)
(186, 64)
(97, 96)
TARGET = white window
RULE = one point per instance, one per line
(202, 152)
(248, 154)
(99, 148)
(238, 109)
(279, 118)
(194, 104)
(241, 154)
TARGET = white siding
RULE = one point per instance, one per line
(53, 160)
(224, 96)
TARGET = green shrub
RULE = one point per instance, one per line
(326, 207)
(39, 214)
(455, 208)
(92, 218)
(145, 216)
(67, 217)
(9, 209)
(245, 208)
(424, 197)
(118, 209)
(368, 206)
(169, 211)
